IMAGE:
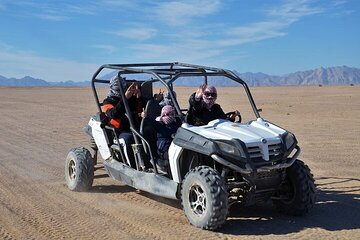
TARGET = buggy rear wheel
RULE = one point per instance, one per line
(204, 198)
(79, 169)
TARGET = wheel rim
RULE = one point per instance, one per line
(197, 200)
(72, 170)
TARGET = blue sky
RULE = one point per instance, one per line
(68, 40)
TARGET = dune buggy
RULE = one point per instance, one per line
(211, 166)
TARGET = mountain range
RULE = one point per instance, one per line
(28, 81)
(341, 75)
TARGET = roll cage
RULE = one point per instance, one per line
(167, 74)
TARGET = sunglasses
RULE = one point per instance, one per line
(210, 94)
(169, 114)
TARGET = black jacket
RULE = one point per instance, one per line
(164, 135)
(199, 115)
(118, 111)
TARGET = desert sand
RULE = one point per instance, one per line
(40, 125)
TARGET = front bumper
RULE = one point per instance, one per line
(248, 169)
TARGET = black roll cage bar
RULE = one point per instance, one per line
(167, 76)
(166, 73)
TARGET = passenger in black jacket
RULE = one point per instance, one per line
(203, 109)
(114, 109)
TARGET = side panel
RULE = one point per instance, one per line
(188, 139)
(100, 139)
(174, 158)
(149, 182)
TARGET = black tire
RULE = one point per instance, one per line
(204, 198)
(296, 195)
(79, 169)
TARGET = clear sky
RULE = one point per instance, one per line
(68, 40)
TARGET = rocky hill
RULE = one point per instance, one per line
(341, 75)
(321, 76)
(28, 81)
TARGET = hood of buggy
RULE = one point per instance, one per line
(251, 133)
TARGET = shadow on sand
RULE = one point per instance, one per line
(337, 208)
(109, 186)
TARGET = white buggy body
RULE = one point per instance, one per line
(263, 136)
(210, 167)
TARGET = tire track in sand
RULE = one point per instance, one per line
(145, 215)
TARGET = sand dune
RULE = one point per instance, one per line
(40, 125)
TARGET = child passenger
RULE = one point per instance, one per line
(164, 126)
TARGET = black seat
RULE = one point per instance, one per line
(153, 110)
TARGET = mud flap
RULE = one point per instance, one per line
(100, 138)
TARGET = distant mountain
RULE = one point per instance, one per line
(327, 76)
(70, 84)
(34, 82)
(23, 82)
(341, 75)
(259, 79)
(321, 76)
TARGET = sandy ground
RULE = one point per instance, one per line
(39, 126)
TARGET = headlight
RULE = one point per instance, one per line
(289, 140)
(228, 149)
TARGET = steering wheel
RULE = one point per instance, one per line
(229, 114)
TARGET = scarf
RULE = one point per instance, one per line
(209, 97)
(167, 115)
(115, 87)
(167, 99)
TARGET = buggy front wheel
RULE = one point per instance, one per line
(204, 198)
